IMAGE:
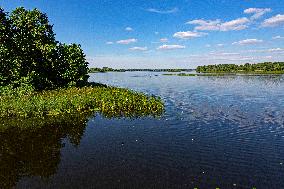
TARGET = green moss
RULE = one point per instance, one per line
(109, 101)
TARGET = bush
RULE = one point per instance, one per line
(28, 49)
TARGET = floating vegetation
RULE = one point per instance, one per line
(110, 101)
(180, 74)
(185, 74)
(192, 74)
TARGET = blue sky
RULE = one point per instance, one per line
(167, 33)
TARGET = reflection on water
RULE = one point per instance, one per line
(32, 147)
(225, 131)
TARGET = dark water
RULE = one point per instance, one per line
(225, 132)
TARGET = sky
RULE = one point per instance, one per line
(167, 33)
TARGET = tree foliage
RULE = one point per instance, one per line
(266, 67)
(8, 68)
(29, 52)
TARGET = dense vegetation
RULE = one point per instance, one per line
(107, 69)
(110, 101)
(30, 54)
(40, 76)
(267, 67)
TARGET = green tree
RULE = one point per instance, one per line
(8, 67)
(30, 54)
(70, 65)
(34, 39)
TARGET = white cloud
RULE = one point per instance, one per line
(221, 57)
(210, 25)
(229, 54)
(170, 47)
(276, 50)
(109, 43)
(274, 21)
(138, 49)
(268, 57)
(170, 11)
(188, 35)
(207, 45)
(217, 25)
(220, 45)
(164, 40)
(248, 42)
(257, 12)
(278, 37)
(126, 41)
(238, 24)
(272, 50)
(224, 53)
(128, 29)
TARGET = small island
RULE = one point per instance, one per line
(40, 76)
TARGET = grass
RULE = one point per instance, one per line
(110, 101)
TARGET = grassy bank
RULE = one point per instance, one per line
(110, 101)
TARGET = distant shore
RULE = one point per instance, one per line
(106, 69)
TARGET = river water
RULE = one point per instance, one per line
(217, 132)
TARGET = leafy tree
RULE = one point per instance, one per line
(29, 53)
(70, 65)
(34, 39)
(8, 68)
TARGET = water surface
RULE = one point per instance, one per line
(225, 132)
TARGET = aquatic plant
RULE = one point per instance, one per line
(180, 74)
(192, 75)
(110, 101)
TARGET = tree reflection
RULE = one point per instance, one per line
(32, 147)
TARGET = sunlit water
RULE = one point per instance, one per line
(225, 132)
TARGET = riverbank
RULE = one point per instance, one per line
(110, 101)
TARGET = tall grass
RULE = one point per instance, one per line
(110, 101)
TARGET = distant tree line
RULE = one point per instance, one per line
(30, 54)
(266, 67)
(107, 69)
